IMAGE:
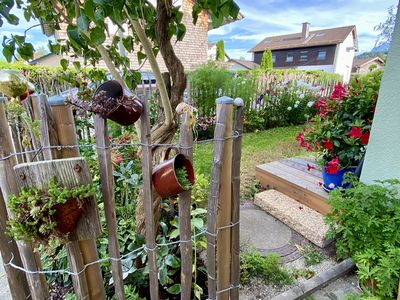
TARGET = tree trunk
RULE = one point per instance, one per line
(176, 84)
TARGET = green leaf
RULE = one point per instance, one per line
(180, 32)
(197, 223)
(8, 51)
(77, 65)
(64, 64)
(172, 261)
(175, 289)
(128, 43)
(97, 36)
(82, 23)
(26, 51)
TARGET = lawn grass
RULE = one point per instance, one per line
(257, 148)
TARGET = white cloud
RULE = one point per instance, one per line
(248, 37)
(223, 30)
(238, 53)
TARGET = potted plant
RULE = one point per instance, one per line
(111, 101)
(339, 133)
(173, 176)
(14, 84)
(52, 213)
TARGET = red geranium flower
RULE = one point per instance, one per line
(355, 132)
(328, 145)
(365, 138)
(339, 92)
(333, 166)
(310, 167)
(320, 103)
(300, 137)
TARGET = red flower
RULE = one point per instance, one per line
(355, 132)
(320, 103)
(365, 138)
(328, 145)
(116, 158)
(339, 92)
(310, 167)
(300, 137)
(333, 166)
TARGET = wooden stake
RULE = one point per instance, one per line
(65, 127)
(147, 200)
(9, 187)
(107, 189)
(213, 202)
(16, 279)
(225, 203)
(236, 157)
(185, 204)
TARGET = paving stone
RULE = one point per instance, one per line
(299, 217)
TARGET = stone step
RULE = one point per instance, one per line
(297, 216)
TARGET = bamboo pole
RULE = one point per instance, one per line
(236, 157)
(65, 127)
(213, 202)
(8, 186)
(185, 204)
(107, 189)
(224, 205)
(145, 138)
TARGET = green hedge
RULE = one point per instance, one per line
(53, 80)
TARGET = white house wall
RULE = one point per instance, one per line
(326, 68)
(344, 58)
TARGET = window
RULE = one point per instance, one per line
(273, 58)
(321, 55)
(289, 57)
(303, 55)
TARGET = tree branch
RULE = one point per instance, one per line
(154, 66)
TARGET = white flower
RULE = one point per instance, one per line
(301, 96)
(289, 108)
(310, 104)
(297, 102)
(331, 185)
(296, 105)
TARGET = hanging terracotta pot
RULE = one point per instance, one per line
(164, 176)
(67, 215)
(118, 104)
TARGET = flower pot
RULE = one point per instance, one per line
(333, 181)
(124, 109)
(67, 215)
(164, 175)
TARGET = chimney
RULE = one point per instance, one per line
(306, 30)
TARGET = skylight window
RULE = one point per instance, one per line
(320, 34)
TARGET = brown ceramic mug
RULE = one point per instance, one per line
(128, 108)
(164, 175)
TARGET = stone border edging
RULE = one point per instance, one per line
(319, 281)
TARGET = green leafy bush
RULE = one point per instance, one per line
(268, 268)
(266, 61)
(366, 219)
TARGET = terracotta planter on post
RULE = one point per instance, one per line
(164, 175)
(126, 110)
(67, 215)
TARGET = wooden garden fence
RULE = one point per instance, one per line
(56, 153)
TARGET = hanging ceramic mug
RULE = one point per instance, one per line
(125, 107)
(165, 178)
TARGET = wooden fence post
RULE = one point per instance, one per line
(236, 157)
(8, 186)
(225, 204)
(213, 202)
(66, 133)
(107, 189)
(147, 200)
(185, 204)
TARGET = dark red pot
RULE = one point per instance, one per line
(164, 175)
(127, 108)
(67, 215)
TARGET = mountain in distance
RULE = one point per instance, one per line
(381, 48)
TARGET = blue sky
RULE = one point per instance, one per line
(273, 17)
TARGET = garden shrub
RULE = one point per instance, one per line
(268, 268)
(366, 219)
(271, 99)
